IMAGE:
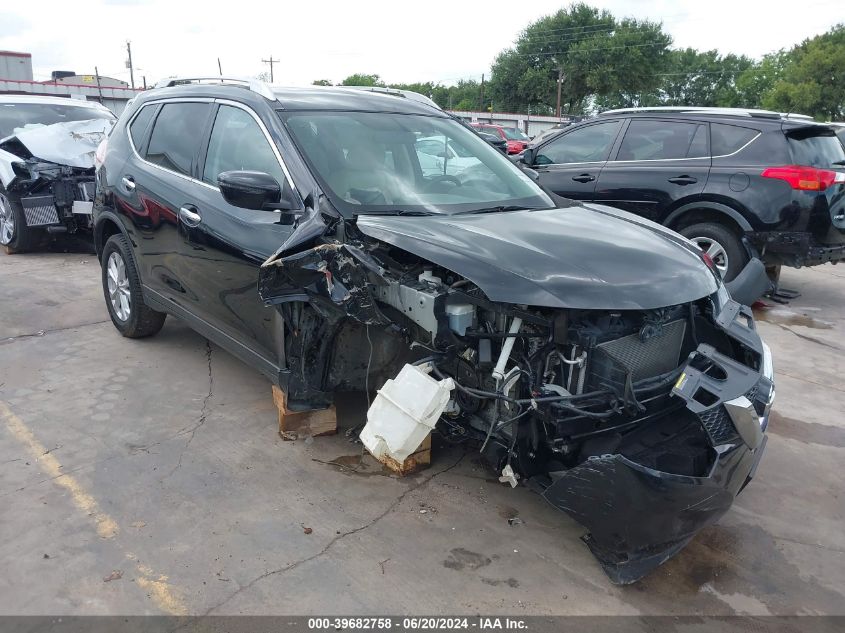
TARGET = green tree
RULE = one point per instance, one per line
(695, 78)
(759, 79)
(322, 82)
(597, 55)
(813, 78)
(361, 79)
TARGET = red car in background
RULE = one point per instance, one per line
(516, 139)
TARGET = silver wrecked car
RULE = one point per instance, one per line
(47, 147)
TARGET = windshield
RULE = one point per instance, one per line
(401, 163)
(18, 115)
(512, 134)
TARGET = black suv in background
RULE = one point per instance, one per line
(738, 183)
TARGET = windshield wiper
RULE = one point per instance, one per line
(499, 209)
(405, 212)
(838, 162)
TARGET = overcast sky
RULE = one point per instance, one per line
(401, 40)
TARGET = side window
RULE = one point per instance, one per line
(583, 145)
(176, 136)
(726, 139)
(238, 143)
(139, 125)
(660, 140)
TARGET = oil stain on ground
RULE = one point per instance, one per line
(806, 432)
(725, 570)
(781, 316)
(460, 558)
(362, 465)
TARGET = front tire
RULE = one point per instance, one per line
(722, 245)
(15, 235)
(122, 289)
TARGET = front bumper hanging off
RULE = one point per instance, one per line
(639, 517)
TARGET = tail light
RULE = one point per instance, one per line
(100, 154)
(804, 178)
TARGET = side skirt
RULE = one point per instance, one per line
(271, 370)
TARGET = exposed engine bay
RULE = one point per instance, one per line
(49, 171)
(641, 424)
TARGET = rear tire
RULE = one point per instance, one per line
(122, 289)
(722, 244)
(15, 235)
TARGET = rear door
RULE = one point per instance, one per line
(223, 246)
(658, 163)
(570, 164)
(153, 182)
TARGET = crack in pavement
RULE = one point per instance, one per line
(291, 566)
(807, 380)
(812, 339)
(191, 432)
(39, 333)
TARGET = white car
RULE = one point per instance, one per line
(439, 158)
(47, 147)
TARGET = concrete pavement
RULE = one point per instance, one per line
(147, 476)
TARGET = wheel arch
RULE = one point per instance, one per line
(707, 211)
(107, 224)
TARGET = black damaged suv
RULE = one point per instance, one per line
(739, 183)
(591, 355)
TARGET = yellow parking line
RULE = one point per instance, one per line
(159, 589)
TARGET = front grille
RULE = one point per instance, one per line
(39, 211)
(718, 424)
(645, 359)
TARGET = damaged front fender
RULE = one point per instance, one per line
(333, 277)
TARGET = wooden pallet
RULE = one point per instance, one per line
(416, 461)
(295, 424)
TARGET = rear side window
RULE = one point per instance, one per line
(663, 140)
(139, 125)
(726, 139)
(176, 136)
(815, 150)
(583, 145)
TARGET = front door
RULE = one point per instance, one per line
(570, 164)
(223, 246)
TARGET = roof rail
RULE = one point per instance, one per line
(746, 112)
(408, 94)
(253, 85)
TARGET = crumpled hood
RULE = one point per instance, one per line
(72, 143)
(575, 257)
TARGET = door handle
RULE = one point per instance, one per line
(683, 180)
(584, 178)
(128, 183)
(189, 215)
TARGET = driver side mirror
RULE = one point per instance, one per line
(528, 155)
(256, 190)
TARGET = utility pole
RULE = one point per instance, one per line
(129, 64)
(271, 61)
(559, 84)
(99, 89)
(482, 93)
